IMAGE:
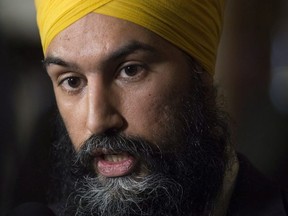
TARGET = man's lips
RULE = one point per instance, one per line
(110, 164)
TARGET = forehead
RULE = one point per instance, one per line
(100, 33)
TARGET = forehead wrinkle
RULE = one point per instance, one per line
(131, 47)
(127, 49)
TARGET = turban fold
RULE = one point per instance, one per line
(192, 25)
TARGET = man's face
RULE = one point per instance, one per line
(110, 75)
(134, 112)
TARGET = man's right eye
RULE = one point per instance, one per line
(72, 84)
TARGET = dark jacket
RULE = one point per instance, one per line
(254, 195)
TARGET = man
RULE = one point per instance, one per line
(141, 133)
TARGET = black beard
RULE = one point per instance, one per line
(183, 182)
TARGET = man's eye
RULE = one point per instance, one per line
(131, 71)
(72, 84)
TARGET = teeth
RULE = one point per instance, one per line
(115, 158)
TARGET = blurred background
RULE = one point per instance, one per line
(252, 73)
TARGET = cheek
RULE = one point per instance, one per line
(74, 120)
(152, 116)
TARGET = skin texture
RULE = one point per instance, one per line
(106, 97)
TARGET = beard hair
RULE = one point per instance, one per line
(185, 181)
(128, 196)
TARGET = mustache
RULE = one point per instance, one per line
(116, 143)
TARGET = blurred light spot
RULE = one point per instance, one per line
(18, 19)
(279, 89)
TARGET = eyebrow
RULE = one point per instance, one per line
(127, 49)
(60, 62)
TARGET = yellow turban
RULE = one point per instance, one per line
(192, 25)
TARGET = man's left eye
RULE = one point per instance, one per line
(131, 71)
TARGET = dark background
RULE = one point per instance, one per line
(252, 71)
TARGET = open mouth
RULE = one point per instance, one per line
(115, 157)
(110, 164)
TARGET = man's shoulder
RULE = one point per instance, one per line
(255, 195)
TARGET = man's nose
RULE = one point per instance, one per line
(103, 114)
